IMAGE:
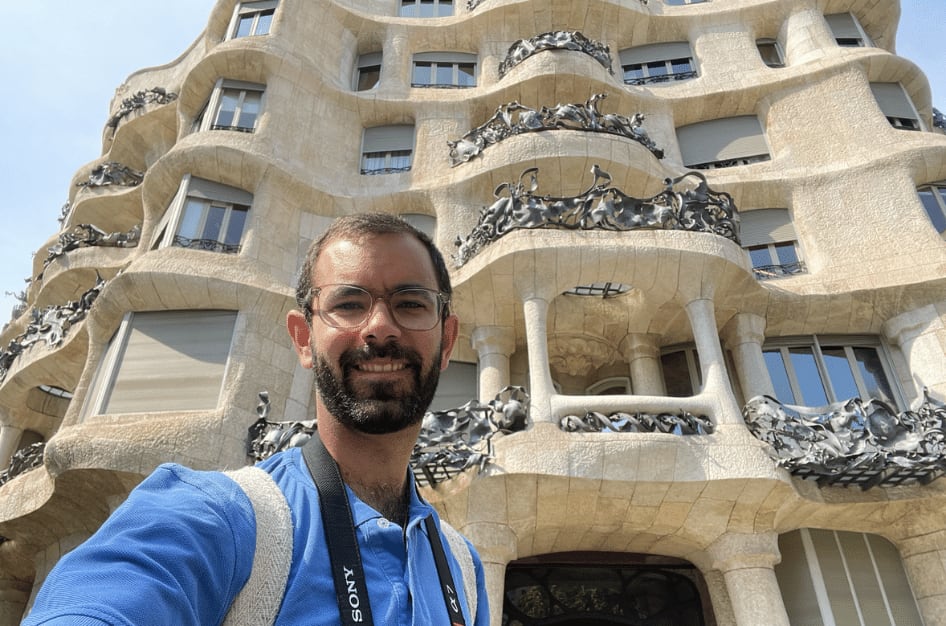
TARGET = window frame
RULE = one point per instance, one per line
(896, 105)
(210, 122)
(253, 10)
(694, 370)
(596, 388)
(414, 8)
(167, 232)
(770, 229)
(647, 58)
(817, 343)
(937, 195)
(843, 35)
(730, 140)
(775, 50)
(435, 61)
(368, 61)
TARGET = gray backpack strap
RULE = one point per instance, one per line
(461, 552)
(259, 600)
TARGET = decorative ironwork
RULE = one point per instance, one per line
(22, 461)
(601, 207)
(662, 78)
(555, 40)
(450, 441)
(386, 170)
(211, 245)
(242, 129)
(155, 95)
(87, 235)
(716, 165)
(21, 303)
(853, 442)
(765, 272)
(513, 119)
(939, 119)
(682, 423)
(64, 212)
(113, 173)
(49, 325)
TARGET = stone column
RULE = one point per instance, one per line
(747, 563)
(9, 440)
(494, 345)
(497, 546)
(924, 559)
(702, 316)
(642, 354)
(536, 311)
(744, 335)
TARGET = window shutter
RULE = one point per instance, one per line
(893, 100)
(388, 138)
(445, 57)
(458, 385)
(765, 226)
(655, 52)
(260, 5)
(172, 361)
(844, 26)
(722, 140)
(210, 190)
(371, 59)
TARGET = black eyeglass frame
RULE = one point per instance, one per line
(313, 294)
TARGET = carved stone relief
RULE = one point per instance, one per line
(579, 354)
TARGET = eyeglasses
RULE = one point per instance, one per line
(350, 306)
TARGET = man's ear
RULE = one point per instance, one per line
(301, 335)
(451, 328)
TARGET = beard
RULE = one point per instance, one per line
(381, 408)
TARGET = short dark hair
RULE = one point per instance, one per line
(364, 225)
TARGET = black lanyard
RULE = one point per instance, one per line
(351, 589)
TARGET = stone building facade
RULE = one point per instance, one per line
(704, 237)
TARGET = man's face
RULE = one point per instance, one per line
(377, 378)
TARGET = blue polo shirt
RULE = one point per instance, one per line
(181, 547)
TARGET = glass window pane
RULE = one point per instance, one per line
(228, 104)
(779, 375)
(676, 374)
(786, 253)
(244, 26)
(657, 69)
(809, 379)
(444, 75)
(444, 8)
(408, 8)
(264, 22)
(400, 159)
(426, 8)
(681, 66)
(214, 222)
(421, 73)
(633, 73)
(368, 77)
(373, 161)
(933, 209)
(250, 109)
(839, 372)
(760, 256)
(235, 226)
(190, 222)
(871, 370)
(467, 75)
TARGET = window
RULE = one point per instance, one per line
(896, 105)
(616, 385)
(724, 142)
(657, 63)
(933, 198)
(368, 71)
(444, 70)
(236, 106)
(838, 577)
(847, 30)
(253, 18)
(164, 361)
(815, 371)
(599, 290)
(458, 385)
(681, 371)
(205, 215)
(387, 149)
(771, 52)
(769, 238)
(426, 8)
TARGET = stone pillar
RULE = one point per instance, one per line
(536, 311)
(924, 559)
(497, 546)
(747, 563)
(744, 335)
(702, 316)
(494, 345)
(9, 440)
(642, 354)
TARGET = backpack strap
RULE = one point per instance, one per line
(461, 552)
(259, 600)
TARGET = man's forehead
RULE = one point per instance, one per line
(354, 254)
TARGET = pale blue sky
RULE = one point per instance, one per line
(60, 69)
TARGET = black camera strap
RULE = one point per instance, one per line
(351, 589)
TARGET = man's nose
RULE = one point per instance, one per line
(380, 324)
